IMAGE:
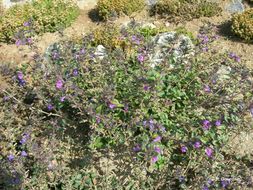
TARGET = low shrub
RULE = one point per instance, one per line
(39, 16)
(1, 9)
(185, 9)
(79, 121)
(242, 25)
(114, 8)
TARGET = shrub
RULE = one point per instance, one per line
(168, 125)
(112, 8)
(185, 10)
(1, 9)
(242, 25)
(42, 16)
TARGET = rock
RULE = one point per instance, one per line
(100, 52)
(223, 73)
(235, 6)
(151, 2)
(9, 3)
(170, 43)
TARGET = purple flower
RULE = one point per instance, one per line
(205, 40)
(18, 42)
(234, 56)
(11, 157)
(146, 87)
(21, 82)
(6, 98)
(140, 58)
(112, 106)
(181, 179)
(210, 182)
(82, 51)
(207, 88)
(209, 152)
(205, 188)
(29, 40)
(62, 99)
(24, 138)
(137, 148)
(98, 119)
(218, 123)
(59, 84)
(154, 159)
(184, 149)
(251, 111)
(75, 72)
(157, 139)
(231, 55)
(134, 38)
(20, 75)
(55, 55)
(225, 182)
(23, 153)
(237, 58)
(158, 150)
(26, 24)
(197, 144)
(50, 107)
(206, 124)
(205, 49)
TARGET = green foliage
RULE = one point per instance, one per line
(43, 15)
(112, 8)
(185, 10)
(89, 121)
(242, 25)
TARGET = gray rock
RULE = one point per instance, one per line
(235, 6)
(151, 2)
(170, 44)
(100, 52)
(9, 3)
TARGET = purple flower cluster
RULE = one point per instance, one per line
(20, 78)
(207, 88)
(153, 126)
(24, 138)
(140, 58)
(59, 84)
(234, 57)
(206, 124)
(184, 149)
(209, 152)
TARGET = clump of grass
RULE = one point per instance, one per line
(242, 25)
(45, 15)
(114, 8)
(185, 9)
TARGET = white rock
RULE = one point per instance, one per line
(100, 52)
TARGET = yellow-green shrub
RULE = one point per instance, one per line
(1, 9)
(46, 16)
(185, 9)
(109, 8)
(242, 25)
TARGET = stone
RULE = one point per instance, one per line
(170, 44)
(9, 3)
(151, 2)
(236, 6)
(100, 52)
